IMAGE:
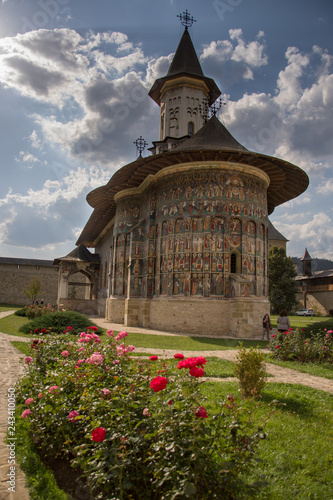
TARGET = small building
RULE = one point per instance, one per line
(315, 289)
(182, 235)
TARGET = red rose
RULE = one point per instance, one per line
(197, 372)
(94, 328)
(201, 413)
(153, 358)
(179, 356)
(98, 434)
(158, 383)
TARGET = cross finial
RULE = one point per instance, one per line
(204, 110)
(186, 19)
(140, 144)
(216, 106)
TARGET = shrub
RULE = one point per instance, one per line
(296, 345)
(318, 327)
(58, 322)
(136, 428)
(250, 370)
(20, 312)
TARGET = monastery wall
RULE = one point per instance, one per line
(15, 277)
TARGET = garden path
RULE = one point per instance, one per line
(12, 370)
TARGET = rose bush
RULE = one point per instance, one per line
(296, 345)
(136, 428)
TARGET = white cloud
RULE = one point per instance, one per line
(35, 141)
(315, 234)
(26, 158)
(246, 56)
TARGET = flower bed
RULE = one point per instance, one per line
(135, 428)
(295, 345)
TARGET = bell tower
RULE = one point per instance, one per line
(181, 93)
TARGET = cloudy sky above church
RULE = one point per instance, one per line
(74, 77)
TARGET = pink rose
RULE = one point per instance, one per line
(72, 415)
(54, 388)
(26, 413)
(146, 412)
(105, 391)
(28, 360)
(109, 333)
(29, 401)
(65, 354)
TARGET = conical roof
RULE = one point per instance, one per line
(306, 255)
(185, 63)
(213, 135)
(185, 59)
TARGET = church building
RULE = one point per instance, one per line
(181, 236)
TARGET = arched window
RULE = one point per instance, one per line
(190, 128)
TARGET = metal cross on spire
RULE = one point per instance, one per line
(140, 144)
(216, 106)
(186, 19)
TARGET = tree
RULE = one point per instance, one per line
(282, 285)
(33, 290)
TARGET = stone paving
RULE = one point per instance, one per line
(12, 369)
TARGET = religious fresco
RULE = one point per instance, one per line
(186, 229)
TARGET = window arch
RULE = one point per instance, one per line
(190, 128)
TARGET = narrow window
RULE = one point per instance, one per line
(233, 260)
(190, 128)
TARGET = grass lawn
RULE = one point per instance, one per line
(188, 343)
(301, 321)
(9, 307)
(297, 458)
(319, 370)
(11, 324)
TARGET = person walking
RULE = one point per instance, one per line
(283, 323)
(266, 326)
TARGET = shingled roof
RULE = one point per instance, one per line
(273, 233)
(213, 136)
(79, 254)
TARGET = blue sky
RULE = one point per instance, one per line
(74, 78)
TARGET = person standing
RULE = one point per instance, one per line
(283, 323)
(266, 326)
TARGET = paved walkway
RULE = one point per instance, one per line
(11, 370)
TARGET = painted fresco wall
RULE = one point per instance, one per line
(191, 234)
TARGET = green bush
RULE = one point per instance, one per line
(58, 322)
(318, 327)
(250, 370)
(297, 346)
(137, 428)
(20, 312)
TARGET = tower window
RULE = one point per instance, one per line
(190, 128)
